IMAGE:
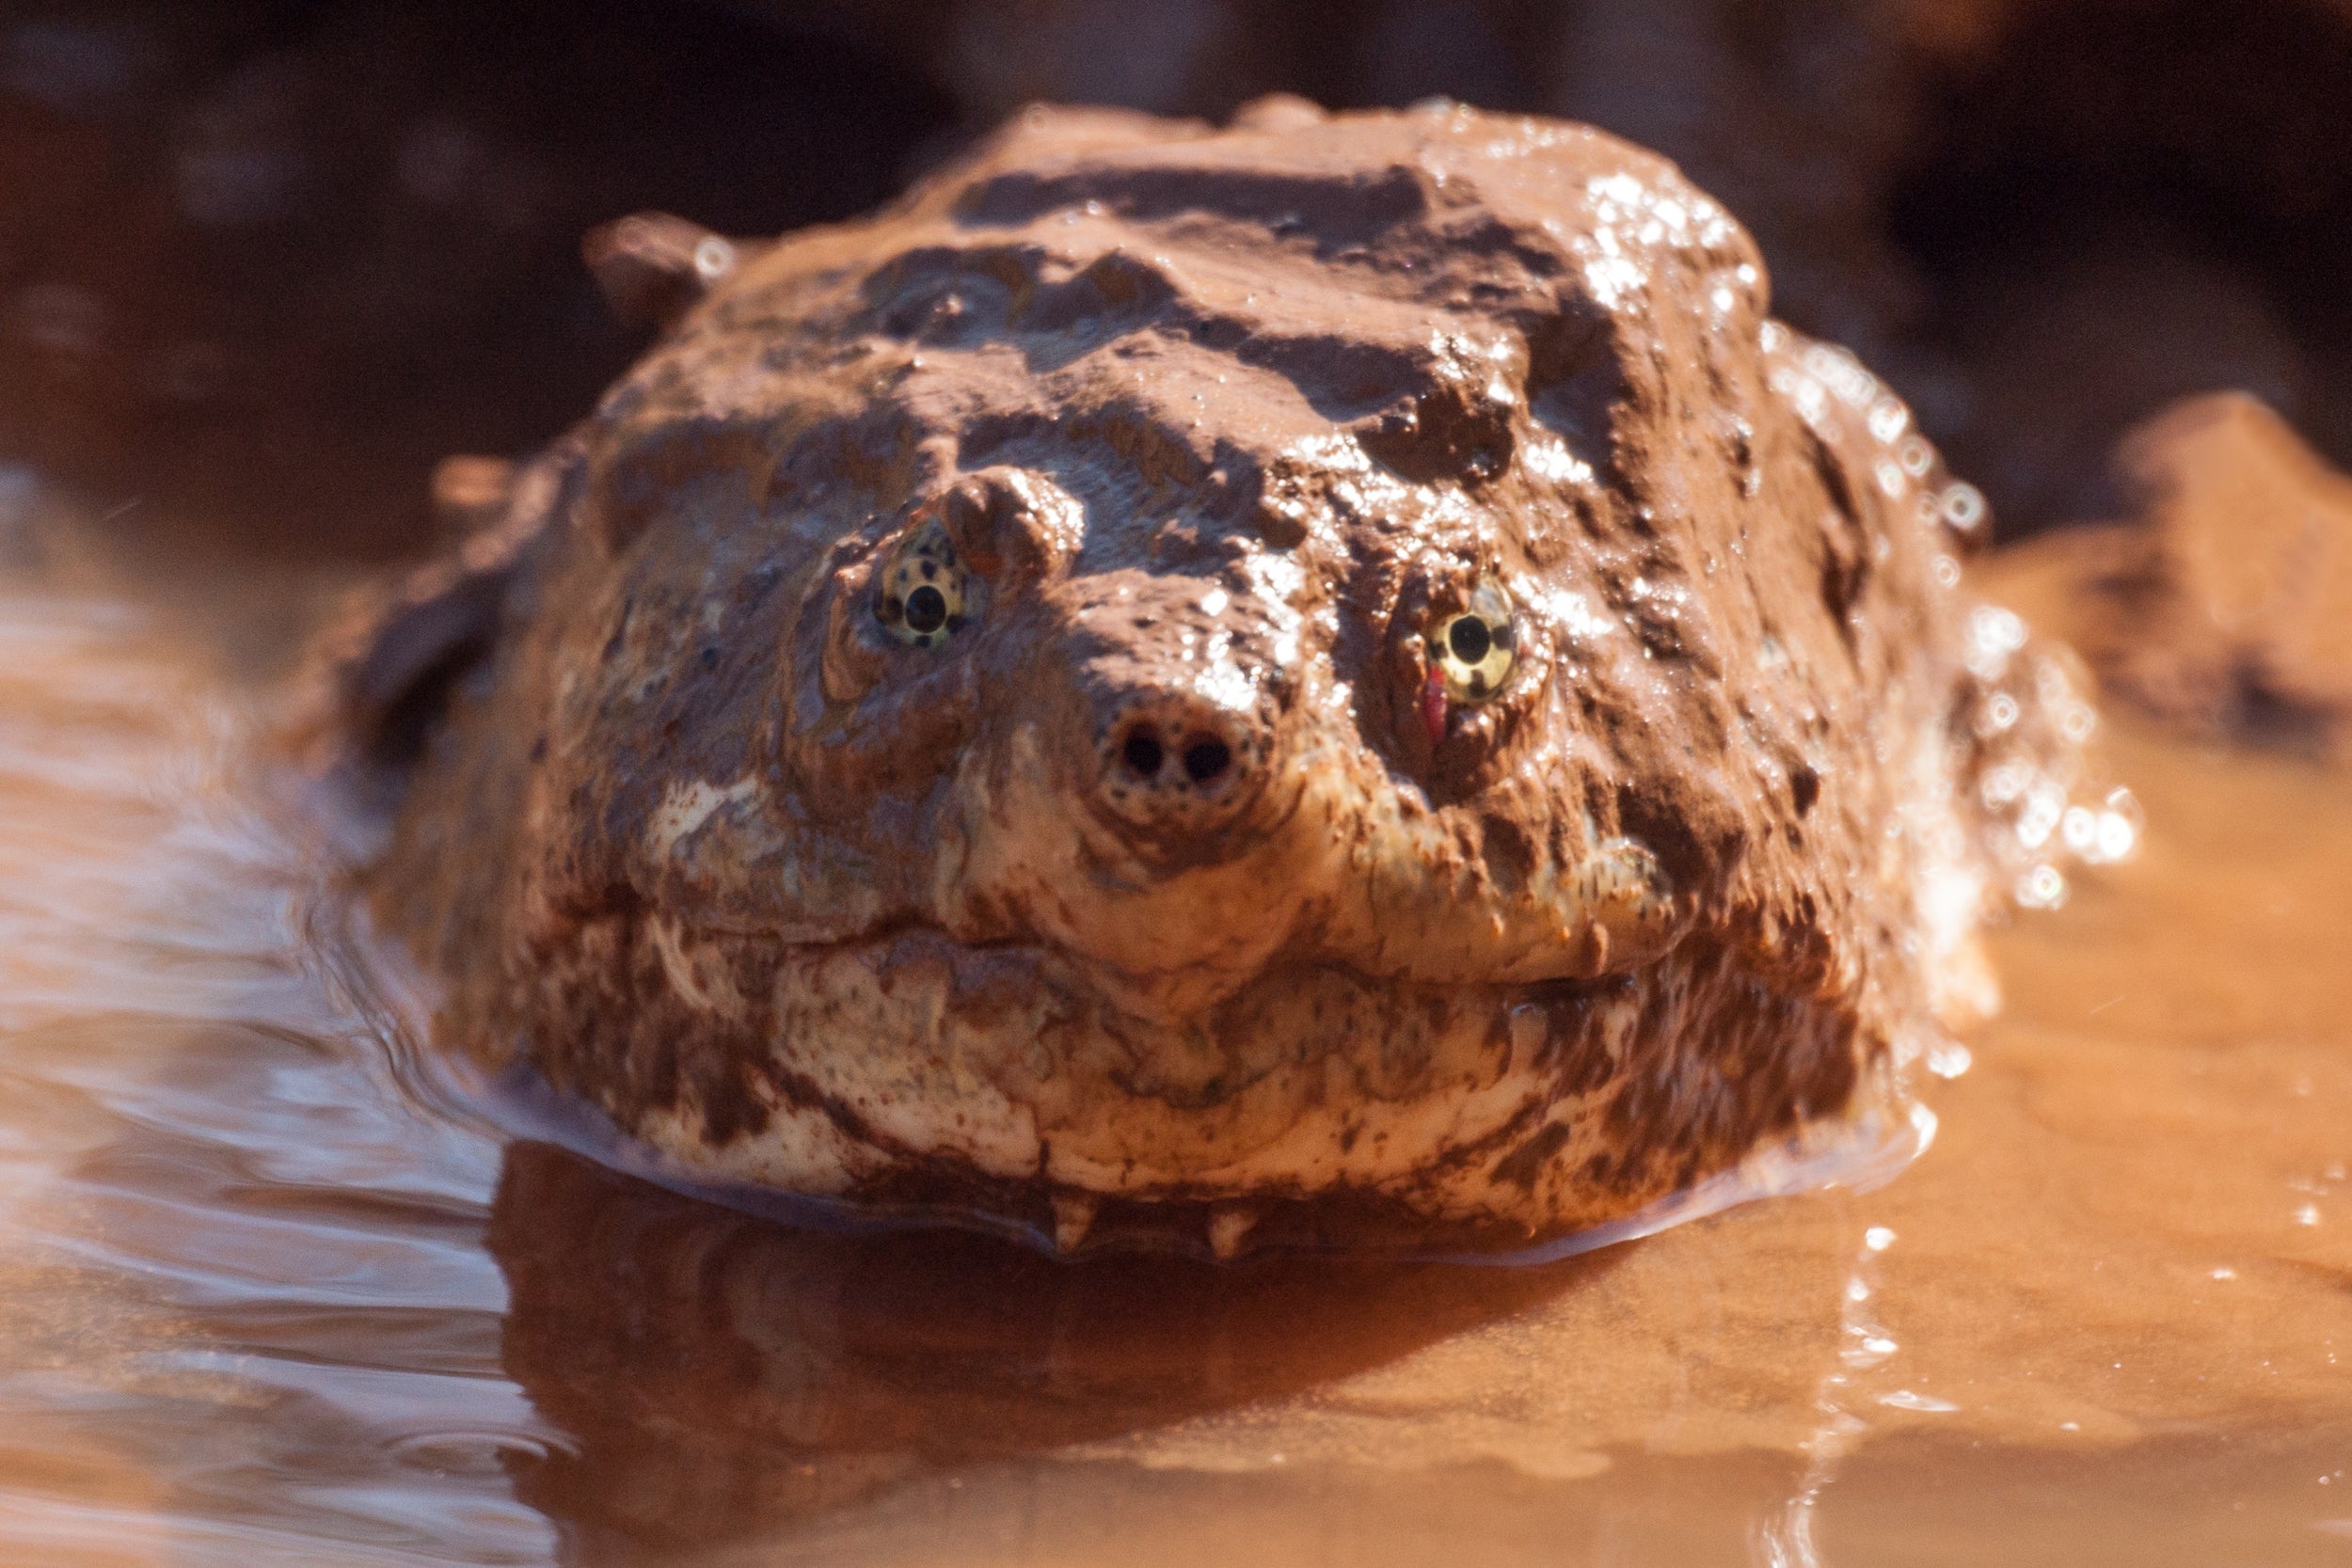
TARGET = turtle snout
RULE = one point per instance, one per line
(1170, 762)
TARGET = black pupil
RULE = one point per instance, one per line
(926, 610)
(1468, 637)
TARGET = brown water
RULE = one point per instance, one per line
(261, 1301)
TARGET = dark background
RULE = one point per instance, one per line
(261, 262)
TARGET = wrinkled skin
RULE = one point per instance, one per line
(1179, 887)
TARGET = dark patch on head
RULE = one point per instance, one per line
(1449, 430)
(1804, 788)
(1663, 824)
(1842, 573)
(1510, 858)
(1843, 538)
(1575, 382)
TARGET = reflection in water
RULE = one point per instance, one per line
(260, 1303)
(721, 1374)
(1788, 1538)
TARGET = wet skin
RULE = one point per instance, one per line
(1336, 679)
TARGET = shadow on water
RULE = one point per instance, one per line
(721, 1374)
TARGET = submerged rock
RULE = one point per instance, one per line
(1334, 679)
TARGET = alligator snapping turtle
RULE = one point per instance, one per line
(1334, 678)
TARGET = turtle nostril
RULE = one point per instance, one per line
(1142, 753)
(1206, 760)
(1172, 765)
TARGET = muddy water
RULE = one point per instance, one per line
(261, 1300)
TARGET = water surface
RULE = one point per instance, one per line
(262, 1301)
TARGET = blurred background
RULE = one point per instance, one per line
(262, 262)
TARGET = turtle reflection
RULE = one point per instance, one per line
(720, 1373)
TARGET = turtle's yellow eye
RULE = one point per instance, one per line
(1471, 650)
(924, 592)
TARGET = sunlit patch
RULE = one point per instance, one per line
(1473, 651)
(924, 596)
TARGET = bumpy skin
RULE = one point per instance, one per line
(1222, 425)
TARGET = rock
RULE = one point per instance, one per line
(2223, 603)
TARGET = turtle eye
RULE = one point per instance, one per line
(1471, 649)
(922, 595)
